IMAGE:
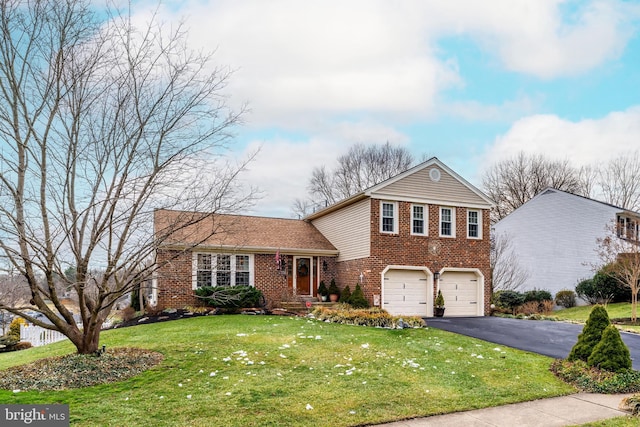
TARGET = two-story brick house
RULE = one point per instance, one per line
(402, 240)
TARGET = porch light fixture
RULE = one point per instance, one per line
(436, 276)
(324, 265)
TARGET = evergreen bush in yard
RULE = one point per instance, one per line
(591, 334)
(537, 295)
(566, 298)
(357, 298)
(611, 353)
(345, 295)
(510, 300)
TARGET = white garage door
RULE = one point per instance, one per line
(461, 292)
(406, 293)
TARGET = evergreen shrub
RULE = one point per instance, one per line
(591, 334)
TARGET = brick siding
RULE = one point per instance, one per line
(174, 278)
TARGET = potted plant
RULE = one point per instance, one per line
(323, 292)
(438, 311)
(334, 292)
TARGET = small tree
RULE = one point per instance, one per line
(333, 288)
(322, 289)
(439, 300)
(610, 353)
(357, 298)
(506, 272)
(345, 295)
(591, 334)
(620, 253)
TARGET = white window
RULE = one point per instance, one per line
(419, 220)
(447, 222)
(388, 217)
(222, 270)
(474, 224)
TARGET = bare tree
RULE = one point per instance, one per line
(361, 167)
(513, 182)
(13, 291)
(619, 181)
(101, 123)
(506, 271)
(619, 252)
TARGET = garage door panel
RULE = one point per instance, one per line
(406, 292)
(461, 293)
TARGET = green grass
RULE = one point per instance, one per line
(616, 311)
(268, 369)
(626, 421)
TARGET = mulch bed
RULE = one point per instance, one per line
(79, 370)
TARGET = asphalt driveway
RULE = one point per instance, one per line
(553, 339)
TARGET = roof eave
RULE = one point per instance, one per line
(253, 249)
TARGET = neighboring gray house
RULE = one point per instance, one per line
(554, 237)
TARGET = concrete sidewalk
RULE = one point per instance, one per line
(569, 410)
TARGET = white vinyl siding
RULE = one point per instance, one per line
(554, 248)
(474, 224)
(211, 269)
(447, 222)
(348, 230)
(419, 220)
(388, 217)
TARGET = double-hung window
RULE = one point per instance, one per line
(389, 217)
(447, 222)
(474, 224)
(222, 270)
(419, 220)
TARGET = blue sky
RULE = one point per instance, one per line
(469, 82)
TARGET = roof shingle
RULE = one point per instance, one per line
(258, 234)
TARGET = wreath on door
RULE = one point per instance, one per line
(303, 268)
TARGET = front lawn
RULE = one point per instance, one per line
(280, 371)
(620, 310)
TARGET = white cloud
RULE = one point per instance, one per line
(283, 167)
(297, 59)
(583, 142)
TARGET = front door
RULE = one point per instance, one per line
(303, 274)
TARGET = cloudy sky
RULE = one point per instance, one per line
(467, 81)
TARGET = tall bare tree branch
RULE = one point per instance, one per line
(101, 123)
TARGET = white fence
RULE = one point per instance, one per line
(38, 336)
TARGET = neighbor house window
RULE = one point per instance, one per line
(474, 229)
(388, 217)
(222, 270)
(447, 222)
(627, 228)
(418, 220)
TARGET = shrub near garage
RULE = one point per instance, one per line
(357, 299)
(510, 300)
